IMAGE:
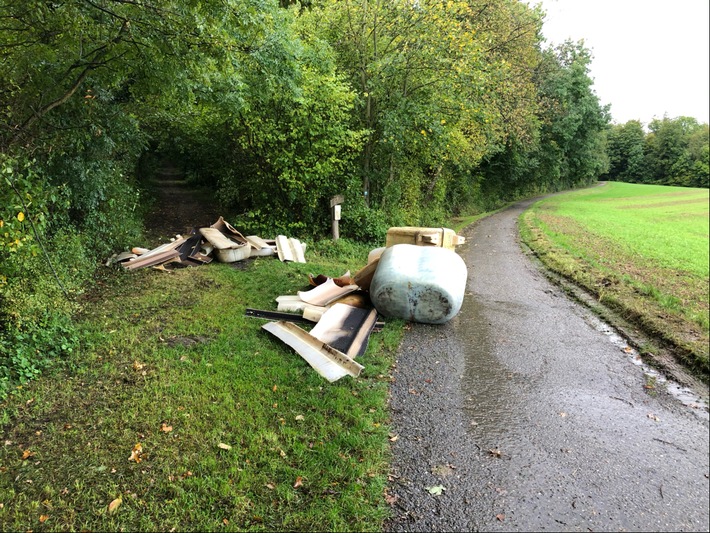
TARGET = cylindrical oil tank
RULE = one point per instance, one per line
(419, 283)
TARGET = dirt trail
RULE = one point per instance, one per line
(527, 414)
(178, 206)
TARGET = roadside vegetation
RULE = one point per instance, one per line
(418, 113)
(414, 112)
(236, 431)
(641, 249)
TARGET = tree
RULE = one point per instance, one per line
(625, 145)
(676, 152)
(573, 121)
(439, 84)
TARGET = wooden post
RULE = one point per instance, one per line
(335, 202)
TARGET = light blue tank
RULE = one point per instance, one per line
(419, 283)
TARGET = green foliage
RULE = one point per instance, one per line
(676, 152)
(673, 152)
(41, 263)
(568, 149)
(26, 350)
(625, 147)
(573, 121)
(439, 85)
(413, 111)
(364, 224)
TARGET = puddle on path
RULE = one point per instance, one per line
(492, 391)
(685, 395)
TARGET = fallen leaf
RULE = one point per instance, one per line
(298, 483)
(137, 366)
(653, 417)
(300, 417)
(500, 517)
(136, 453)
(393, 437)
(275, 388)
(270, 486)
(224, 446)
(436, 490)
(495, 452)
(43, 518)
(391, 499)
(114, 505)
(165, 428)
(443, 470)
(27, 454)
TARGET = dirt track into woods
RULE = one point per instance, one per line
(526, 413)
(178, 207)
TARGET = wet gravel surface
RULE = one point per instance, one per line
(525, 413)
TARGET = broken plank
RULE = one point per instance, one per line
(326, 360)
(275, 315)
(219, 240)
(346, 328)
(152, 259)
(290, 249)
(257, 242)
(325, 293)
(294, 304)
(228, 230)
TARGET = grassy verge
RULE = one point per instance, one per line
(236, 431)
(641, 249)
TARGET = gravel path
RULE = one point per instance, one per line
(525, 413)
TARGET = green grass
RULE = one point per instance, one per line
(171, 362)
(641, 248)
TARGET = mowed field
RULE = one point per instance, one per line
(642, 249)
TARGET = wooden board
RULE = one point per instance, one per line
(217, 239)
(290, 249)
(325, 293)
(346, 328)
(326, 360)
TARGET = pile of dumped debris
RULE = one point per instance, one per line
(221, 241)
(416, 276)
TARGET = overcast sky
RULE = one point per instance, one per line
(650, 57)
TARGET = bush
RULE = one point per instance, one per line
(363, 224)
(26, 350)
